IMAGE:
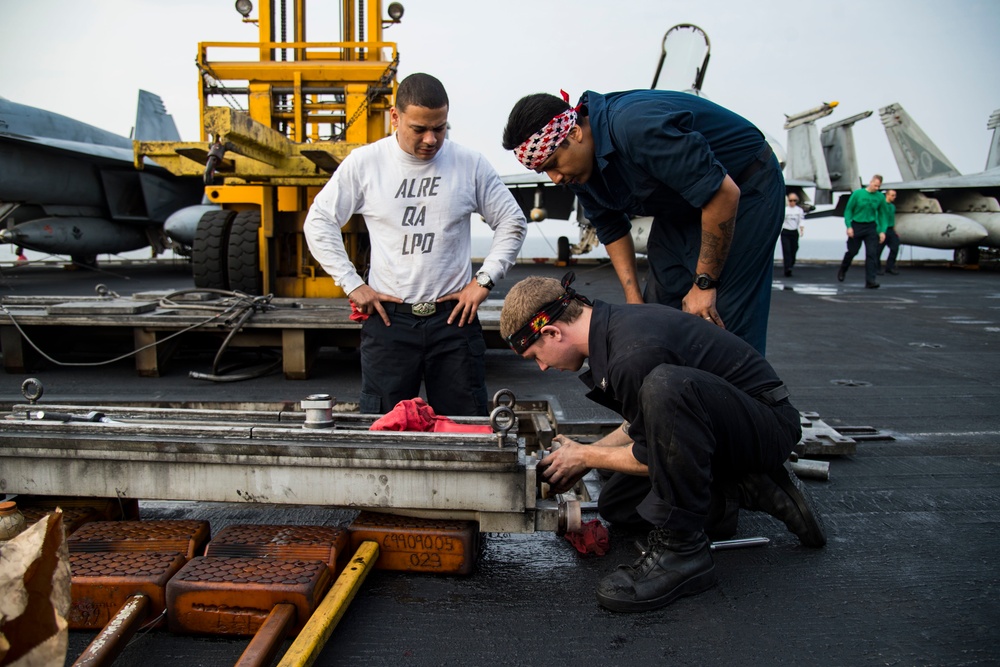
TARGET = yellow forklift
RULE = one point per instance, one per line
(278, 116)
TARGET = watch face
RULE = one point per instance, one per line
(705, 282)
(484, 280)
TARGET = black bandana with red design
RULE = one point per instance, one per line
(525, 337)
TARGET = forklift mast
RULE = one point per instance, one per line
(278, 116)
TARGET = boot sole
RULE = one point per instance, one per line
(815, 536)
(697, 584)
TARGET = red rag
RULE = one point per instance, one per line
(592, 538)
(409, 415)
(415, 415)
(357, 315)
(445, 425)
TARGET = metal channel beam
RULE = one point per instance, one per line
(182, 455)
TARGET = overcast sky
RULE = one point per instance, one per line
(769, 58)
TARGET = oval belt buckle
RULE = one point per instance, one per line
(424, 308)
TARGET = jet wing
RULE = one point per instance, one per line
(101, 154)
(75, 147)
(539, 197)
(525, 179)
(985, 179)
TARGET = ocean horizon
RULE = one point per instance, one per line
(824, 240)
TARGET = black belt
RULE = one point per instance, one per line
(762, 160)
(422, 309)
(773, 396)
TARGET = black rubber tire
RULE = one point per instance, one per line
(209, 252)
(244, 254)
(562, 249)
(967, 255)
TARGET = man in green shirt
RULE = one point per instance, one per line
(891, 238)
(865, 218)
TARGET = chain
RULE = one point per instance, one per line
(372, 93)
(206, 71)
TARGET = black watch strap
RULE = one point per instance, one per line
(705, 281)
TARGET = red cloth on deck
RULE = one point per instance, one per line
(415, 415)
(592, 538)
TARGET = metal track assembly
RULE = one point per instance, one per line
(310, 456)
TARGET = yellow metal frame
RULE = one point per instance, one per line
(275, 159)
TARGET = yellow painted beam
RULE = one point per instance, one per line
(307, 646)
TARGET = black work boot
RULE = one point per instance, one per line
(780, 494)
(674, 564)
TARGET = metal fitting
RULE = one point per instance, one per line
(319, 411)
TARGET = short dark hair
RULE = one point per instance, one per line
(529, 115)
(422, 90)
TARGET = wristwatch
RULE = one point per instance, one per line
(705, 281)
(484, 280)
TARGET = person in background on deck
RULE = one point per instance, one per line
(417, 191)
(891, 238)
(864, 218)
(701, 408)
(706, 175)
(791, 230)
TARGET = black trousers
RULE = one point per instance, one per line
(891, 240)
(867, 233)
(450, 360)
(699, 431)
(789, 247)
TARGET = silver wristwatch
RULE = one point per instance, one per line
(484, 280)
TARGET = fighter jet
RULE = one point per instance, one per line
(69, 188)
(935, 205)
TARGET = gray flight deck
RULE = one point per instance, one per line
(911, 573)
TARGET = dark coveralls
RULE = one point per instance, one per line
(665, 154)
(450, 359)
(891, 239)
(697, 399)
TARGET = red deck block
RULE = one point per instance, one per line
(323, 543)
(187, 537)
(418, 545)
(77, 511)
(233, 596)
(103, 581)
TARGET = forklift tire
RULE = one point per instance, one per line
(244, 254)
(209, 252)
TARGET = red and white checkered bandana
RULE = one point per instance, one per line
(537, 148)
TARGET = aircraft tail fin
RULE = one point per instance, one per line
(805, 156)
(840, 154)
(152, 122)
(916, 155)
(993, 159)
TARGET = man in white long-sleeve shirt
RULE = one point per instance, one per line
(417, 192)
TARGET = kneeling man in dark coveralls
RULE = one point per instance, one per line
(702, 410)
